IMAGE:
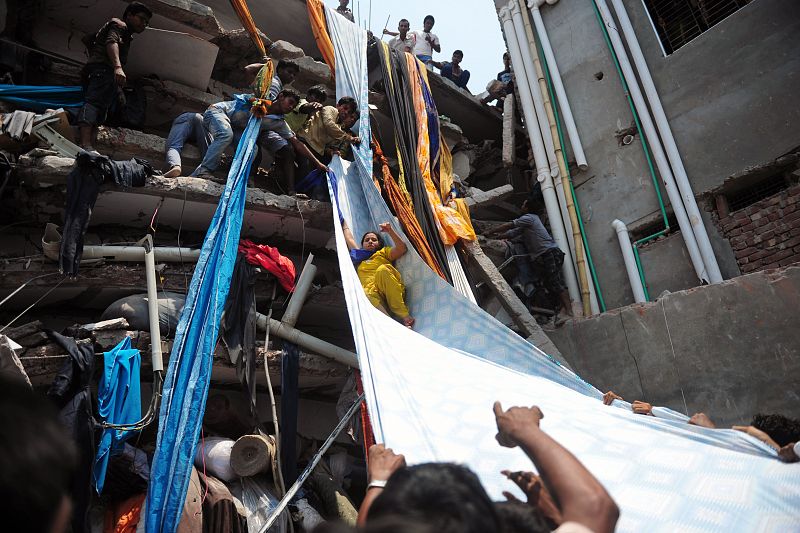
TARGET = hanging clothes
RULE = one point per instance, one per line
(119, 401)
(271, 259)
(70, 392)
(290, 398)
(220, 513)
(83, 185)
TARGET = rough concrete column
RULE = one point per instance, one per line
(508, 131)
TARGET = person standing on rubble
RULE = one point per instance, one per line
(345, 11)
(543, 254)
(425, 41)
(226, 120)
(103, 76)
(403, 41)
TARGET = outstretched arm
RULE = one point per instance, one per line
(381, 464)
(580, 496)
(399, 248)
(303, 150)
(392, 33)
(348, 236)
(502, 228)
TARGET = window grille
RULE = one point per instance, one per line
(763, 189)
(679, 21)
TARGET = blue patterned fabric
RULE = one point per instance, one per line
(187, 379)
(430, 391)
(119, 401)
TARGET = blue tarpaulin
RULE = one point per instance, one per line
(187, 379)
(41, 97)
(119, 401)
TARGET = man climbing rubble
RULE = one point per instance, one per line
(227, 120)
(544, 258)
(104, 76)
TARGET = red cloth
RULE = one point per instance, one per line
(268, 257)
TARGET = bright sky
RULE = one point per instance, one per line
(467, 25)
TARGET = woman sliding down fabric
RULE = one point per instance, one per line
(382, 282)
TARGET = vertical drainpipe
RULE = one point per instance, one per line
(537, 144)
(675, 160)
(630, 262)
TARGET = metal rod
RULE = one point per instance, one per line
(311, 466)
(300, 293)
(385, 26)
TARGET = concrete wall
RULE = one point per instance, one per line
(730, 96)
(729, 350)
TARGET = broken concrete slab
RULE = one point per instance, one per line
(285, 50)
(188, 12)
(123, 143)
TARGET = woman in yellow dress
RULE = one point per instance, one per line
(382, 282)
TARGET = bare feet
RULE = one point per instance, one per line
(409, 322)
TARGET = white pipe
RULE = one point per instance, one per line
(558, 86)
(630, 262)
(152, 304)
(532, 79)
(279, 329)
(166, 254)
(300, 292)
(542, 168)
(654, 142)
(707, 252)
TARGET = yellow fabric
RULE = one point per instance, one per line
(322, 129)
(445, 168)
(240, 6)
(383, 283)
(449, 222)
(317, 19)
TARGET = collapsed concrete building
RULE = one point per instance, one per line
(726, 343)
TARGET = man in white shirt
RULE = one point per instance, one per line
(404, 41)
(426, 42)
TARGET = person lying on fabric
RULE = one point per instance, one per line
(449, 497)
(103, 76)
(226, 120)
(382, 282)
(452, 69)
(775, 430)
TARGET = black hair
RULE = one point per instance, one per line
(348, 101)
(781, 429)
(287, 63)
(319, 90)
(429, 17)
(447, 497)
(381, 242)
(37, 459)
(458, 52)
(403, 20)
(289, 92)
(518, 517)
(506, 55)
(134, 8)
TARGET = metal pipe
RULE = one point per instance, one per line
(675, 160)
(279, 329)
(536, 92)
(630, 261)
(561, 94)
(152, 303)
(650, 137)
(300, 292)
(164, 254)
(539, 156)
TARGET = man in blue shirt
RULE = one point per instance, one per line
(452, 69)
(543, 254)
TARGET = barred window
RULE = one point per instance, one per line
(679, 21)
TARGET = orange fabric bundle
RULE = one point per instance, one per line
(405, 213)
(240, 6)
(449, 221)
(316, 17)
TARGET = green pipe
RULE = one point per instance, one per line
(646, 149)
(568, 177)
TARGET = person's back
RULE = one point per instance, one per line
(533, 235)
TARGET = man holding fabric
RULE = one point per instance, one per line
(103, 75)
(226, 120)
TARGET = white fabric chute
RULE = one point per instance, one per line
(430, 391)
